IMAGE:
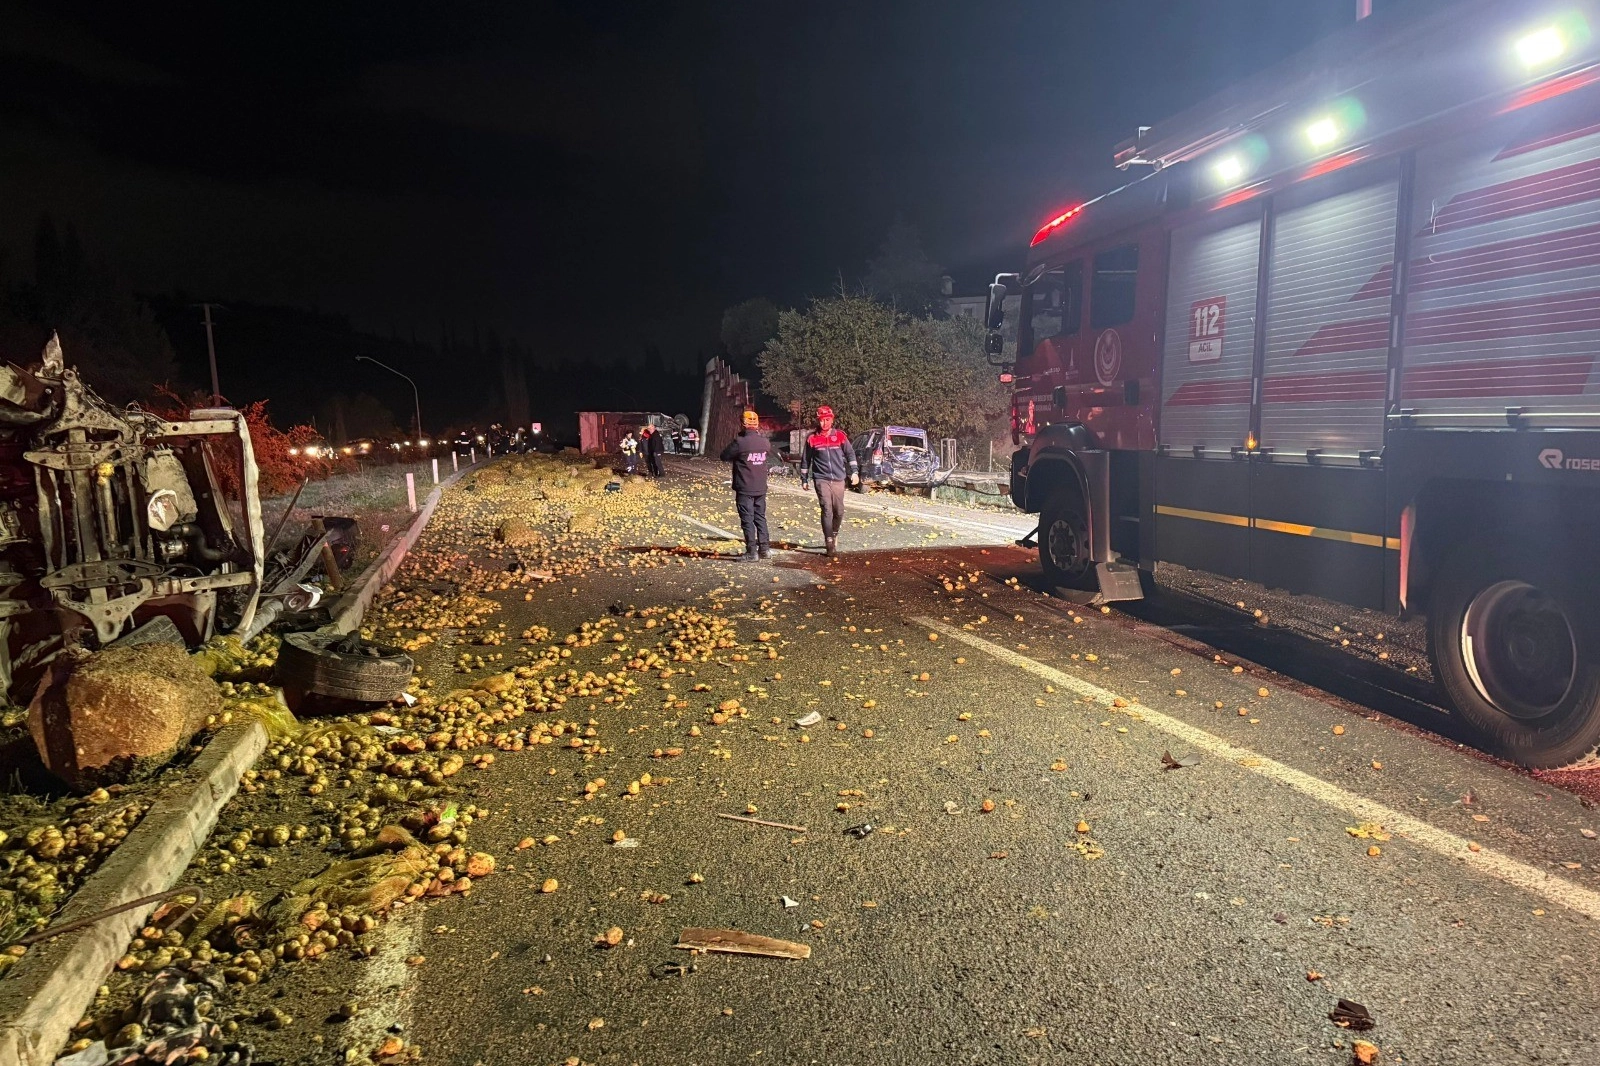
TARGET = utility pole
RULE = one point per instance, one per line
(211, 351)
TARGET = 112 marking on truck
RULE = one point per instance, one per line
(1343, 338)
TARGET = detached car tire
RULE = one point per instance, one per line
(1064, 543)
(1516, 649)
(374, 674)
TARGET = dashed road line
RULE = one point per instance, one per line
(1495, 864)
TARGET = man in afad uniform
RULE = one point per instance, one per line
(748, 454)
(828, 459)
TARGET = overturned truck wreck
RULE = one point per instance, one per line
(110, 520)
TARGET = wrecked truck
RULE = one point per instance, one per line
(116, 521)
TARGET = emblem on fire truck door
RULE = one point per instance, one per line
(1108, 357)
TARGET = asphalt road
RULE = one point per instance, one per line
(1107, 910)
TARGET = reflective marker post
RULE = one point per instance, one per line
(455, 461)
(436, 471)
(411, 491)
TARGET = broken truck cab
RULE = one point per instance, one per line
(1342, 341)
(109, 519)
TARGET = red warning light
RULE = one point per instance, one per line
(1054, 224)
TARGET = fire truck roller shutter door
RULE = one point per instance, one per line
(1202, 492)
(1211, 308)
(1325, 371)
(1503, 298)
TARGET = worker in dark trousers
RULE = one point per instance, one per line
(653, 447)
(828, 459)
(748, 454)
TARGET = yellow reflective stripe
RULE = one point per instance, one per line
(1343, 536)
(1203, 516)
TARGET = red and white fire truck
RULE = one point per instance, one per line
(1343, 339)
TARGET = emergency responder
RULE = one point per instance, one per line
(629, 446)
(828, 458)
(653, 446)
(748, 453)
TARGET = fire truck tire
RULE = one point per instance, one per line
(1517, 651)
(377, 674)
(1064, 543)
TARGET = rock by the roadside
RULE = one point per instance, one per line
(104, 717)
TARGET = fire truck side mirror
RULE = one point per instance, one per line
(994, 314)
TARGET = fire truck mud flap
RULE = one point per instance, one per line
(1117, 583)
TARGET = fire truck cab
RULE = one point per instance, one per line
(1343, 339)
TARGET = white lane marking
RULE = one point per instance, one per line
(1503, 867)
(723, 533)
(384, 990)
(935, 518)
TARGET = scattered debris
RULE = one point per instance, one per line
(735, 942)
(814, 718)
(1364, 1053)
(860, 832)
(1348, 1014)
(1169, 763)
(763, 821)
(174, 1025)
(789, 904)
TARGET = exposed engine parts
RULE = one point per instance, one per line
(109, 519)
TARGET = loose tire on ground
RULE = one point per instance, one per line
(1517, 651)
(306, 663)
(1064, 542)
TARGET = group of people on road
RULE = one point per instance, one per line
(650, 445)
(827, 461)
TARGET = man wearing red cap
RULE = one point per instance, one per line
(748, 454)
(828, 459)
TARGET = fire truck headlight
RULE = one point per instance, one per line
(1228, 169)
(1541, 47)
(1323, 133)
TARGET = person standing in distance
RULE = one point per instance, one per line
(828, 459)
(748, 454)
(630, 453)
(654, 446)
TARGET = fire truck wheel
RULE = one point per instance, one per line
(1064, 543)
(1518, 654)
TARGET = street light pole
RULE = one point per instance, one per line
(415, 395)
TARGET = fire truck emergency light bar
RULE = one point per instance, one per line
(1400, 72)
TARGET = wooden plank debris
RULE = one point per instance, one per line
(735, 942)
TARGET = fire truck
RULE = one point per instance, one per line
(1342, 338)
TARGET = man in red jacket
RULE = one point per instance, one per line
(829, 458)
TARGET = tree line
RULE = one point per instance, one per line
(883, 351)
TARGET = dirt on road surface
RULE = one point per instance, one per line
(1031, 832)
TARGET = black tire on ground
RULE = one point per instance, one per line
(1517, 650)
(307, 664)
(1064, 543)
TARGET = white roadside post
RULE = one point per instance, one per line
(411, 491)
(455, 461)
(436, 471)
(472, 457)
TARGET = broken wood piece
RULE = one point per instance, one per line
(763, 821)
(330, 566)
(735, 942)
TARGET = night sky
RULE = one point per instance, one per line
(583, 177)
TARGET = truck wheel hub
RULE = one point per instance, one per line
(1065, 544)
(1519, 648)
